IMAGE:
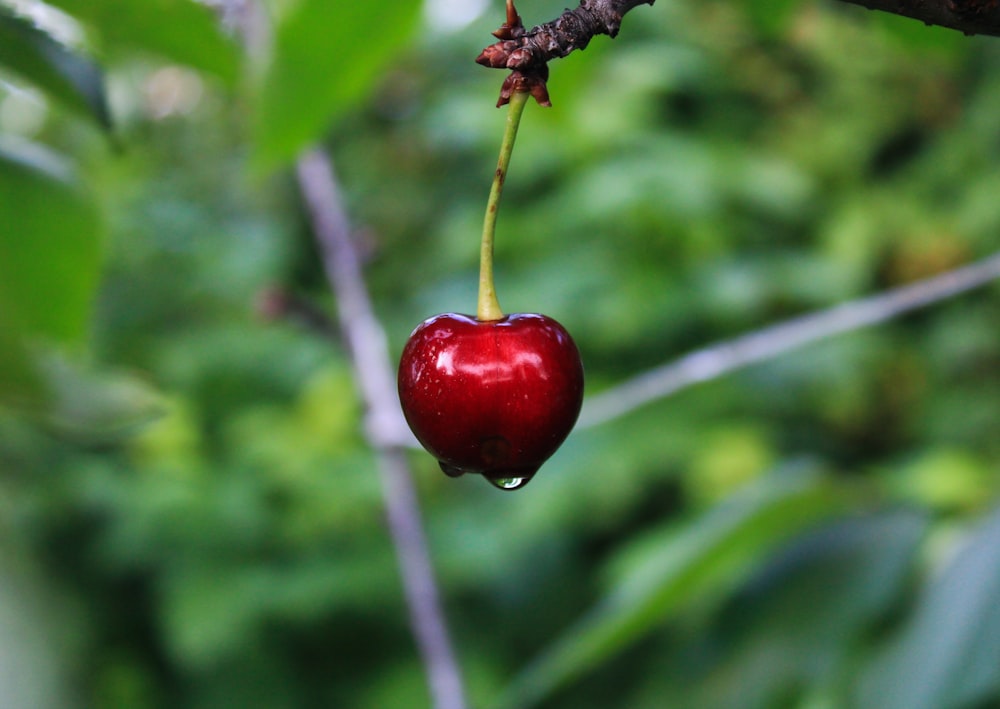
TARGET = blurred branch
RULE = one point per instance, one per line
(373, 370)
(714, 361)
(968, 16)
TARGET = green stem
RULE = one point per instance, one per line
(489, 307)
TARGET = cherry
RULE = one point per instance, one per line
(493, 397)
(492, 394)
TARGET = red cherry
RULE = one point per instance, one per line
(496, 397)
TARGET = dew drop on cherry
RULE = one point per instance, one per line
(509, 483)
(450, 470)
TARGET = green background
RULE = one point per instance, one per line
(190, 515)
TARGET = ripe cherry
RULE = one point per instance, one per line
(493, 394)
(493, 397)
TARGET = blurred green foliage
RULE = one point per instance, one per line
(189, 515)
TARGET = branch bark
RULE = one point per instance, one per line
(521, 49)
(527, 52)
(967, 16)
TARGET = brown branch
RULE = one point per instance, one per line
(968, 16)
(521, 49)
(527, 52)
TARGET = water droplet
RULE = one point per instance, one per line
(450, 470)
(508, 483)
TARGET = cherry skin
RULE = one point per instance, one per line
(495, 397)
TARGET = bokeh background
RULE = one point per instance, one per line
(190, 515)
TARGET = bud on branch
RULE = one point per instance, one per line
(527, 52)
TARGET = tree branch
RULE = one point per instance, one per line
(373, 371)
(528, 52)
(521, 49)
(760, 345)
(968, 16)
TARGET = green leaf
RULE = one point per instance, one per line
(49, 258)
(66, 76)
(798, 618)
(183, 31)
(673, 568)
(327, 55)
(948, 653)
(97, 407)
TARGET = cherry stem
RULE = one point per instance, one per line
(489, 307)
